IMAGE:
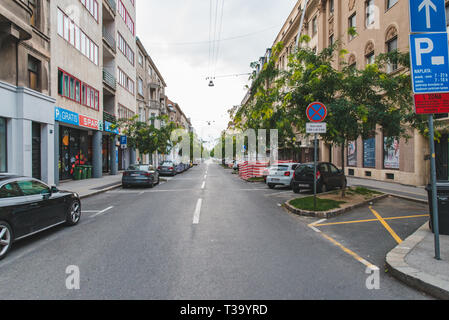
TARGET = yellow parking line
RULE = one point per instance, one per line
(370, 220)
(385, 224)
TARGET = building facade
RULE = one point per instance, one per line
(381, 27)
(27, 113)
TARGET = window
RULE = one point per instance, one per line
(392, 45)
(314, 26)
(334, 169)
(331, 6)
(125, 81)
(76, 37)
(126, 16)
(370, 16)
(92, 7)
(78, 91)
(153, 118)
(33, 73)
(124, 113)
(35, 16)
(140, 59)
(125, 48)
(11, 190)
(331, 40)
(140, 86)
(352, 22)
(32, 187)
(3, 148)
(370, 58)
(391, 3)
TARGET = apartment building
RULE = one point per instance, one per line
(27, 124)
(381, 27)
(150, 94)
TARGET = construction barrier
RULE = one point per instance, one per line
(255, 169)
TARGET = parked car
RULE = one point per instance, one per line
(167, 168)
(29, 206)
(328, 177)
(140, 175)
(179, 168)
(281, 175)
(266, 172)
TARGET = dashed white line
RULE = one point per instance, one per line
(203, 185)
(196, 215)
(102, 212)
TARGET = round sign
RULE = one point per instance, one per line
(316, 112)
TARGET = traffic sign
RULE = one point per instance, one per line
(429, 62)
(316, 127)
(432, 103)
(427, 16)
(316, 112)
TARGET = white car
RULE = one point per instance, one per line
(281, 175)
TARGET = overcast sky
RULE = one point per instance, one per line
(176, 34)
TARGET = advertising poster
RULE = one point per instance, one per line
(391, 153)
(369, 153)
(352, 154)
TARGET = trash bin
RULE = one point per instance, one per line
(77, 174)
(89, 172)
(443, 206)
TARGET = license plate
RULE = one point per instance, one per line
(303, 185)
(276, 180)
(135, 175)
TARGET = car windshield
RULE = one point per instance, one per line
(167, 163)
(139, 167)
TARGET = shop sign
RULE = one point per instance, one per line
(66, 116)
(107, 128)
(89, 122)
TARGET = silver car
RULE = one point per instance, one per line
(281, 175)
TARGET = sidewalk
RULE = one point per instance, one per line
(413, 262)
(90, 187)
(407, 192)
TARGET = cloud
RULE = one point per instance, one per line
(175, 34)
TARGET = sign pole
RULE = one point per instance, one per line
(433, 176)
(314, 173)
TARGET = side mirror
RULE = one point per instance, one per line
(54, 190)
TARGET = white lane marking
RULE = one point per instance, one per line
(196, 215)
(312, 225)
(205, 177)
(203, 185)
(101, 212)
(90, 211)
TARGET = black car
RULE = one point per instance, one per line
(167, 168)
(29, 206)
(140, 175)
(328, 177)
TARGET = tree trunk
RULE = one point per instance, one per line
(343, 149)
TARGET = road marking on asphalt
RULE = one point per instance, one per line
(370, 220)
(196, 215)
(101, 212)
(203, 185)
(313, 225)
(351, 253)
(386, 226)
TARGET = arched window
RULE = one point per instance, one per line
(391, 45)
(369, 53)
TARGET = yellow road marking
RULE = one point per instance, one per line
(369, 220)
(385, 224)
(351, 253)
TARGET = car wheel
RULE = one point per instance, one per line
(74, 213)
(296, 189)
(6, 238)
(271, 186)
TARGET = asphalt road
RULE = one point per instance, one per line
(202, 235)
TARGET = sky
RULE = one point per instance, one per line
(176, 34)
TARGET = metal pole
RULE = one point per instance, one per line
(301, 23)
(314, 172)
(433, 177)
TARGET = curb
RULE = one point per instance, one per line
(96, 192)
(330, 213)
(415, 278)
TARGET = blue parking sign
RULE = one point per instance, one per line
(427, 16)
(429, 55)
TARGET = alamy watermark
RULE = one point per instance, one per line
(72, 282)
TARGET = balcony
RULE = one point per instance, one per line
(112, 5)
(109, 117)
(109, 80)
(154, 104)
(109, 39)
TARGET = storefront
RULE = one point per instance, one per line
(109, 150)
(3, 153)
(76, 134)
